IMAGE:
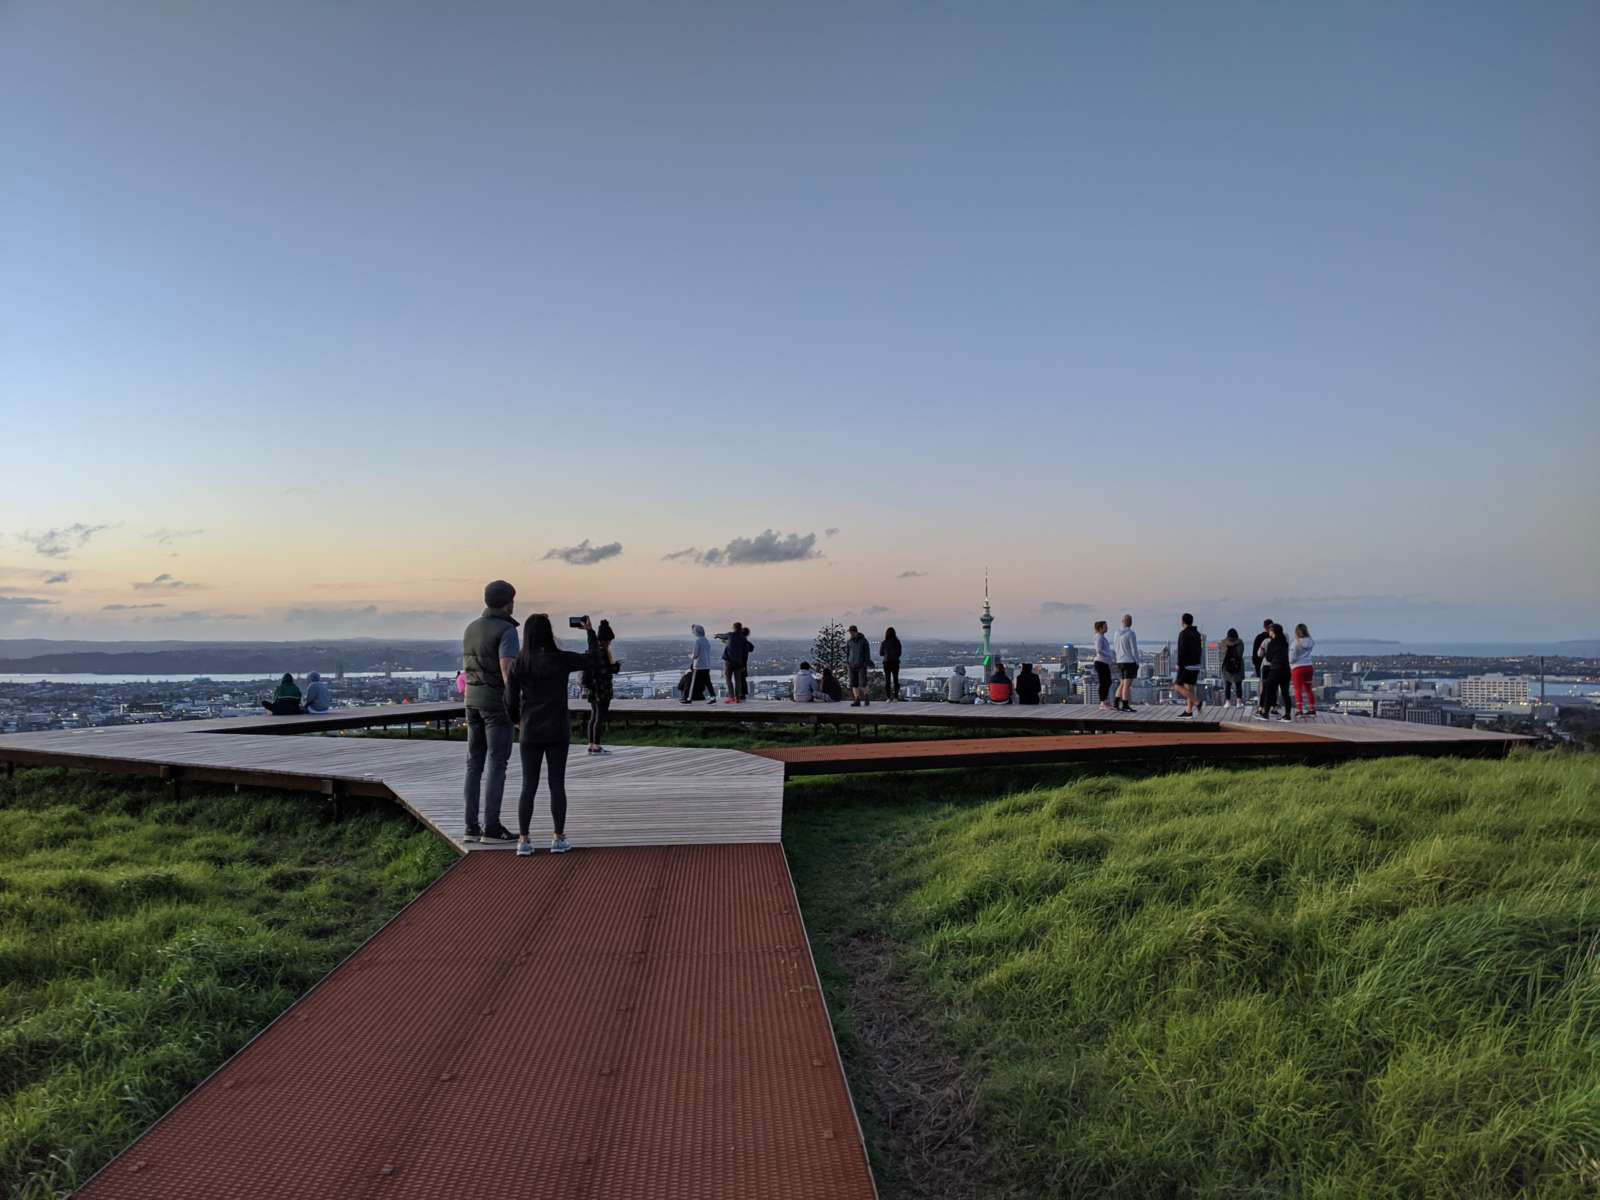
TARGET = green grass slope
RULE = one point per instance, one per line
(143, 940)
(1372, 980)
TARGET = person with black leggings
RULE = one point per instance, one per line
(597, 686)
(536, 700)
(1104, 660)
(889, 651)
(1275, 674)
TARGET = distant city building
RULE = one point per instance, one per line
(987, 621)
(1069, 659)
(1163, 662)
(1213, 659)
(1494, 693)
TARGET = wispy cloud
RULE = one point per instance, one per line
(768, 546)
(61, 542)
(1065, 606)
(323, 616)
(166, 583)
(166, 537)
(831, 531)
(1391, 602)
(584, 554)
(58, 577)
(337, 587)
(911, 575)
(23, 602)
(130, 607)
(197, 616)
(873, 610)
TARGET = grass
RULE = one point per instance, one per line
(144, 939)
(1372, 980)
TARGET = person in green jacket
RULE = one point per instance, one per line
(285, 700)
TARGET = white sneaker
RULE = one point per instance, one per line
(559, 845)
(524, 849)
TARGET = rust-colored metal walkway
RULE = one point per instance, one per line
(612, 1024)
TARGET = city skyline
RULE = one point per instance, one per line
(794, 316)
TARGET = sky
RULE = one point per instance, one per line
(317, 317)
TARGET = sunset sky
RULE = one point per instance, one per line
(316, 317)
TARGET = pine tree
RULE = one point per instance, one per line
(829, 650)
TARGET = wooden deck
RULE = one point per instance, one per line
(634, 796)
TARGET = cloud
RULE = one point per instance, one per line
(1375, 603)
(329, 615)
(166, 583)
(24, 602)
(165, 537)
(129, 607)
(911, 575)
(873, 610)
(337, 587)
(194, 615)
(768, 546)
(58, 577)
(425, 614)
(832, 531)
(583, 554)
(1065, 606)
(61, 542)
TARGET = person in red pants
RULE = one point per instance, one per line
(1301, 668)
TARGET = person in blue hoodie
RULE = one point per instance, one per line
(700, 668)
(319, 698)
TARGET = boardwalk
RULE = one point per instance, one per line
(638, 1020)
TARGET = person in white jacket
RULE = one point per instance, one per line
(1302, 666)
(805, 685)
(700, 668)
(1104, 660)
(1127, 650)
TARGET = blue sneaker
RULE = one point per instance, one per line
(524, 849)
(559, 845)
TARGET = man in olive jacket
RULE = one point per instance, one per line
(488, 648)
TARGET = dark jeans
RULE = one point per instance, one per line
(1275, 682)
(1232, 686)
(488, 736)
(1102, 677)
(556, 754)
(737, 681)
(701, 685)
(598, 711)
(891, 678)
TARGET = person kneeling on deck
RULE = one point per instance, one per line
(319, 697)
(1028, 685)
(488, 649)
(536, 702)
(805, 685)
(285, 700)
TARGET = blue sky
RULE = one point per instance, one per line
(1153, 306)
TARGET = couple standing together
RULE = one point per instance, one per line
(524, 686)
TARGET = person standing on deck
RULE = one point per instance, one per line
(735, 662)
(488, 648)
(858, 657)
(889, 652)
(700, 668)
(1301, 668)
(1257, 658)
(1103, 661)
(1275, 674)
(1127, 651)
(598, 687)
(536, 701)
(1232, 668)
(1191, 660)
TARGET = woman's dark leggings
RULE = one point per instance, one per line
(891, 678)
(1102, 677)
(599, 710)
(701, 684)
(556, 754)
(1232, 683)
(1275, 682)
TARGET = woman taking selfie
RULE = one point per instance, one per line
(536, 699)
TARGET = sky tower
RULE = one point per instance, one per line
(986, 620)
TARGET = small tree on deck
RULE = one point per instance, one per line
(829, 648)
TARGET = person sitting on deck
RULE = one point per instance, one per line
(805, 685)
(319, 697)
(285, 700)
(831, 688)
(956, 689)
(999, 684)
(1028, 685)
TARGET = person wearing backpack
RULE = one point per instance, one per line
(1232, 648)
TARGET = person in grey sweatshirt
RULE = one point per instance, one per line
(319, 698)
(805, 685)
(858, 657)
(700, 668)
(1127, 650)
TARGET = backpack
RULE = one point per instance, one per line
(1233, 658)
